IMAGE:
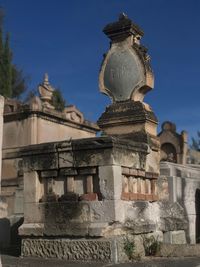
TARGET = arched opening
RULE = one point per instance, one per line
(168, 153)
(197, 208)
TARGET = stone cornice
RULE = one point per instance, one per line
(50, 116)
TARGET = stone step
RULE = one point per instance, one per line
(179, 250)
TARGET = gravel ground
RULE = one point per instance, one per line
(9, 261)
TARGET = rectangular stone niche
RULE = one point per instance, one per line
(82, 183)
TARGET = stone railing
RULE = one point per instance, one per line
(70, 184)
(139, 185)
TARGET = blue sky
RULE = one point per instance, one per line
(65, 39)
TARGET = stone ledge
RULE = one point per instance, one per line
(179, 250)
(137, 196)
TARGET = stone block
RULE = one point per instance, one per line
(125, 196)
(140, 226)
(140, 173)
(97, 229)
(89, 197)
(150, 197)
(125, 184)
(141, 196)
(125, 171)
(19, 201)
(174, 237)
(68, 172)
(33, 187)
(133, 172)
(110, 180)
(31, 229)
(49, 174)
(66, 159)
(33, 213)
(85, 171)
(133, 196)
(147, 186)
(89, 184)
(70, 184)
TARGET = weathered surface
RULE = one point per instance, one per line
(179, 250)
(82, 250)
(184, 184)
(172, 217)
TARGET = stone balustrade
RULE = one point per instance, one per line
(139, 185)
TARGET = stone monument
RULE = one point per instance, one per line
(126, 76)
(84, 197)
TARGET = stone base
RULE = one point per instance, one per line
(105, 250)
(71, 250)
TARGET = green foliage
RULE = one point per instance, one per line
(151, 245)
(58, 100)
(19, 85)
(129, 248)
(6, 69)
(12, 81)
(196, 142)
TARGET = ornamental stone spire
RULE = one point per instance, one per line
(46, 92)
(126, 76)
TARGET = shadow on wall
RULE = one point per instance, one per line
(193, 236)
(180, 200)
(4, 233)
(197, 208)
(10, 241)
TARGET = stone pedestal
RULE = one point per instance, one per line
(133, 120)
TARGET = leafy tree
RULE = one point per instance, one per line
(12, 80)
(196, 142)
(19, 81)
(58, 100)
(6, 69)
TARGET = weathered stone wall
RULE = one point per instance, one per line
(23, 127)
(184, 183)
(95, 187)
(26, 128)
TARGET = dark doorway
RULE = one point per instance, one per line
(197, 208)
(168, 153)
